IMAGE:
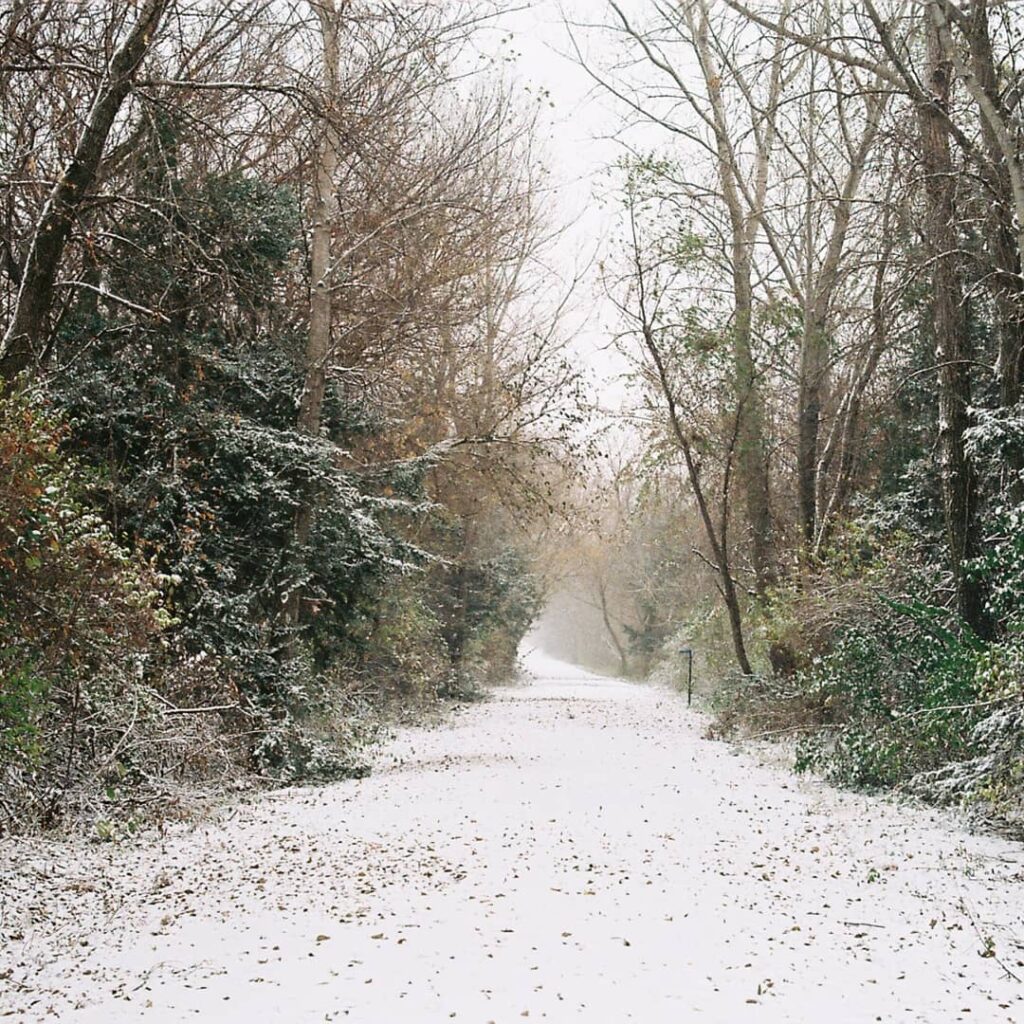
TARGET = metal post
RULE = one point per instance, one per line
(688, 651)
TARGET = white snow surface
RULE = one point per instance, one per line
(570, 850)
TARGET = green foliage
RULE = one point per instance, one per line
(69, 595)
(884, 692)
(321, 732)
(487, 608)
(178, 561)
(189, 424)
(404, 644)
(23, 696)
(192, 429)
(896, 697)
(81, 621)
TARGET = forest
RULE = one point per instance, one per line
(284, 399)
(293, 438)
(819, 286)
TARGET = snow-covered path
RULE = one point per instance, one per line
(568, 851)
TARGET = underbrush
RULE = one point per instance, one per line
(900, 698)
(85, 725)
(145, 667)
(878, 684)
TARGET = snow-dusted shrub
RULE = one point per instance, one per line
(82, 702)
(993, 779)
(401, 654)
(486, 608)
(900, 694)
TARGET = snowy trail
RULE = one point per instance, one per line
(568, 851)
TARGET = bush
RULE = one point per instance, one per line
(192, 424)
(993, 777)
(404, 654)
(882, 690)
(80, 624)
(487, 607)
(896, 699)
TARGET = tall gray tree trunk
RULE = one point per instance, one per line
(751, 449)
(952, 346)
(813, 360)
(318, 342)
(1004, 233)
(745, 222)
(324, 206)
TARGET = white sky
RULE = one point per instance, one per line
(581, 145)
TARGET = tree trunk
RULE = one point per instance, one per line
(320, 305)
(819, 294)
(1004, 233)
(719, 551)
(610, 628)
(25, 341)
(751, 451)
(324, 203)
(813, 343)
(843, 438)
(745, 221)
(813, 358)
(952, 347)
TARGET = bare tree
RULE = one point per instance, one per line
(691, 31)
(645, 314)
(23, 343)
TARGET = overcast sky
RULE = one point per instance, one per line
(580, 141)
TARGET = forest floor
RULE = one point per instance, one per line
(568, 850)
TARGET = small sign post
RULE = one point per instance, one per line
(688, 652)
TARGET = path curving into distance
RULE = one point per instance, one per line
(571, 850)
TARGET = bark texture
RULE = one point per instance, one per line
(24, 343)
(745, 220)
(318, 342)
(949, 323)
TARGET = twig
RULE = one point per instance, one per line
(202, 711)
(118, 299)
(792, 729)
(986, 941)
(958, 707)
(8, 811)
(119, 746)
(714, 568)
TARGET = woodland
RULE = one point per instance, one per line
(819, 286)
(292, 439)
(283, 398)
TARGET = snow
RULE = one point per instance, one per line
(570, 850)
